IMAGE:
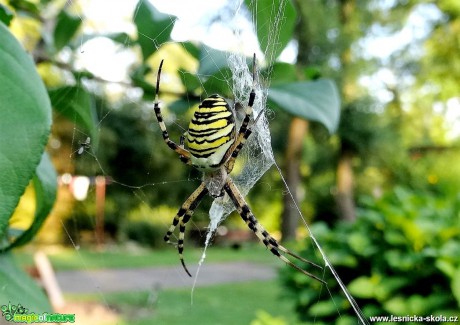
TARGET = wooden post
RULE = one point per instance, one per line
(100, 207)
(48, 278)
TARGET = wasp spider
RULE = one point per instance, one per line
(212, 145)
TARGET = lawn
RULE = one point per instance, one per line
(119, 257)
(239, 303)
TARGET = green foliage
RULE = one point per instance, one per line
(144, 233)
(66, 27)
(153, 28)
(44, 182)
(5, 15)
(313, 100)
(273, 37)
(19, 288)
(25, 125)
(211, 60)
(75, 103)
(264, 318)
(360, 128)
(147, 226)
(400, 257)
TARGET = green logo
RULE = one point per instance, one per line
(20, 314)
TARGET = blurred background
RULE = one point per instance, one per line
(364, 113)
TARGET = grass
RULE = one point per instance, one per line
(238, 303)
(220, 304)
(87, 259)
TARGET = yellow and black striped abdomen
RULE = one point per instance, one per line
(211, 132)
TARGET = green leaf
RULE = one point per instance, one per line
(280, 72)
(75, 103)
(446, 267)
(218, 83)
(362, 287)
(190, 81)
(181, 106)
(397, 306)
(25, 123)
(118, 37)
(211, 60)
(456, 286)
(323, 308)
(121, 37)
(6, 15)
(312, 100)
(45, 185)
(153, 27)
(138, 80)
(191, 49)
(19, 288)
(66, 27)
(27, 6)
(275, 25)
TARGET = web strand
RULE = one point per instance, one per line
(327, 263)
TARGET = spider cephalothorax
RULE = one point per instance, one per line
(212, 146)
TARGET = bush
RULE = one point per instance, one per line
(401, 257)
(144, 233)
(147, 226)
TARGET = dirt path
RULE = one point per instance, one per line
(113, 280)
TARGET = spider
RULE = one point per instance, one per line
(212, 146)
(84, 145)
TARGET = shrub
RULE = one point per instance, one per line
(147, 226)
(144, 233)
(400, 257)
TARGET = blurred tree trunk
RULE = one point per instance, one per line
(345, 176)
(297, 131)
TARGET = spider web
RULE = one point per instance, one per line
(257, 153)
(257, 156)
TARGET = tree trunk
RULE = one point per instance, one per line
(290, 217)
(345, 198)
(297, 132)
(345, 178)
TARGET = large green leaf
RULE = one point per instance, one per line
(18, 288)
(312, 100)
(66, 27)
(153, 27)
(25, 123)
(75, 103)
(280, 72)
(45, 185)
(275, 22)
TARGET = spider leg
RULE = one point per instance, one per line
(182, 217)
(183, 153)
(270, 242)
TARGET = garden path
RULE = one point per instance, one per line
(157, 278)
